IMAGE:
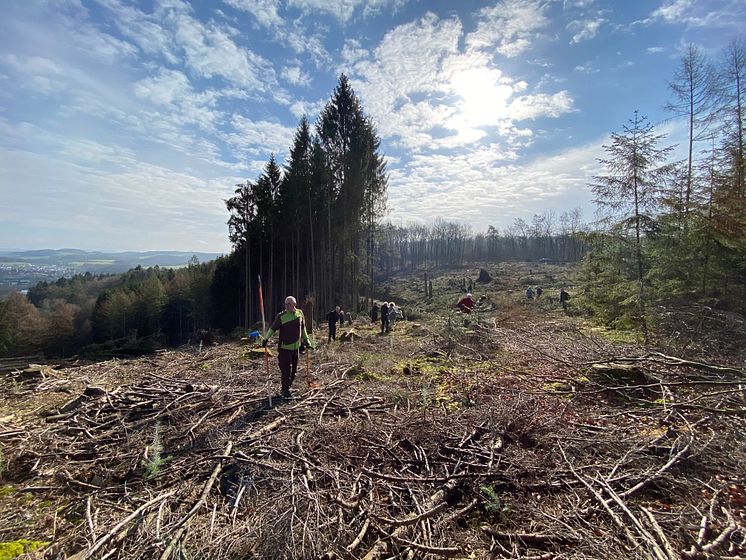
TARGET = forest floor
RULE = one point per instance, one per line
(523, 432)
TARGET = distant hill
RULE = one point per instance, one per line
(101, 262)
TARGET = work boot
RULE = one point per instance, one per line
(286, 393)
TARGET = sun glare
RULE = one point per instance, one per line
(483, 97)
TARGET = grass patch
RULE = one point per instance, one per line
(611, 335)
(13, 549)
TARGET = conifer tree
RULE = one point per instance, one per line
(358, 180)
(629, 193)
(694, 98)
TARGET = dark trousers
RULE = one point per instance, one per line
(288, 360)
(385, 325)
(332, 331)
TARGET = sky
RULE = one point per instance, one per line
(126, 125)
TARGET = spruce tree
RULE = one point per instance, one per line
(629, 193)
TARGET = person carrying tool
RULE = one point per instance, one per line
(331, 318)
(291, 325)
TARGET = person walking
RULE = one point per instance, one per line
(341, 316)
(563, 297)
(291, 325)
(394, 314)
(529, 293)
(384, 317)
(374, 313)
(332, 317)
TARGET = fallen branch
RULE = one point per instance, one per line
(181, 525)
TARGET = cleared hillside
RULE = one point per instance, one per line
(522, 433)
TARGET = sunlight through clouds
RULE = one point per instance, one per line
(484, 100)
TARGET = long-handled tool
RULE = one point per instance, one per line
(264, 335)
(310, 381)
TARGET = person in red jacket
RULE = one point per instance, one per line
(466, 304)
(291, 324)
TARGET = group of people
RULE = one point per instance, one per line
(389, 314)
(563, 295)
(291, 327)
(530, 292)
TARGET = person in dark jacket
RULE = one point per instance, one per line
(384, 317)
(291, 325)
(341, 315)
(332, 317)
(374, 313)
(563, 297)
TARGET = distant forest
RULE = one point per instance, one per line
(672, 233)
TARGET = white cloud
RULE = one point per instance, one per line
(569, 4)
(152, 37)
(296, 76)
(586, 68)
(511, 26)
(38, 74)
(409, 60)
(111, 202)
(530, 107)
(353, 52)
(427, 95)
(207, 49)
(165, 88)
(673, 11)
(584, 30)
(482, 188)
(309, 108)
(265, 11)
(374, 7)
(343, 10)
(304, 41)
(89, 151)
(654, 50)
(210, 51)
(31, 64)
(259, 138)
(718, 14)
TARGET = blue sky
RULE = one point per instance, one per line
(125, 125)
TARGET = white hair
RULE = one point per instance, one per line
(290, 299)
(468, 295)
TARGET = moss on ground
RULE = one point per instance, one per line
(13, 549)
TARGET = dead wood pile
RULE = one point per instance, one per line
(557, 446)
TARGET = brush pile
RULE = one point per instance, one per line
(531, 442)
